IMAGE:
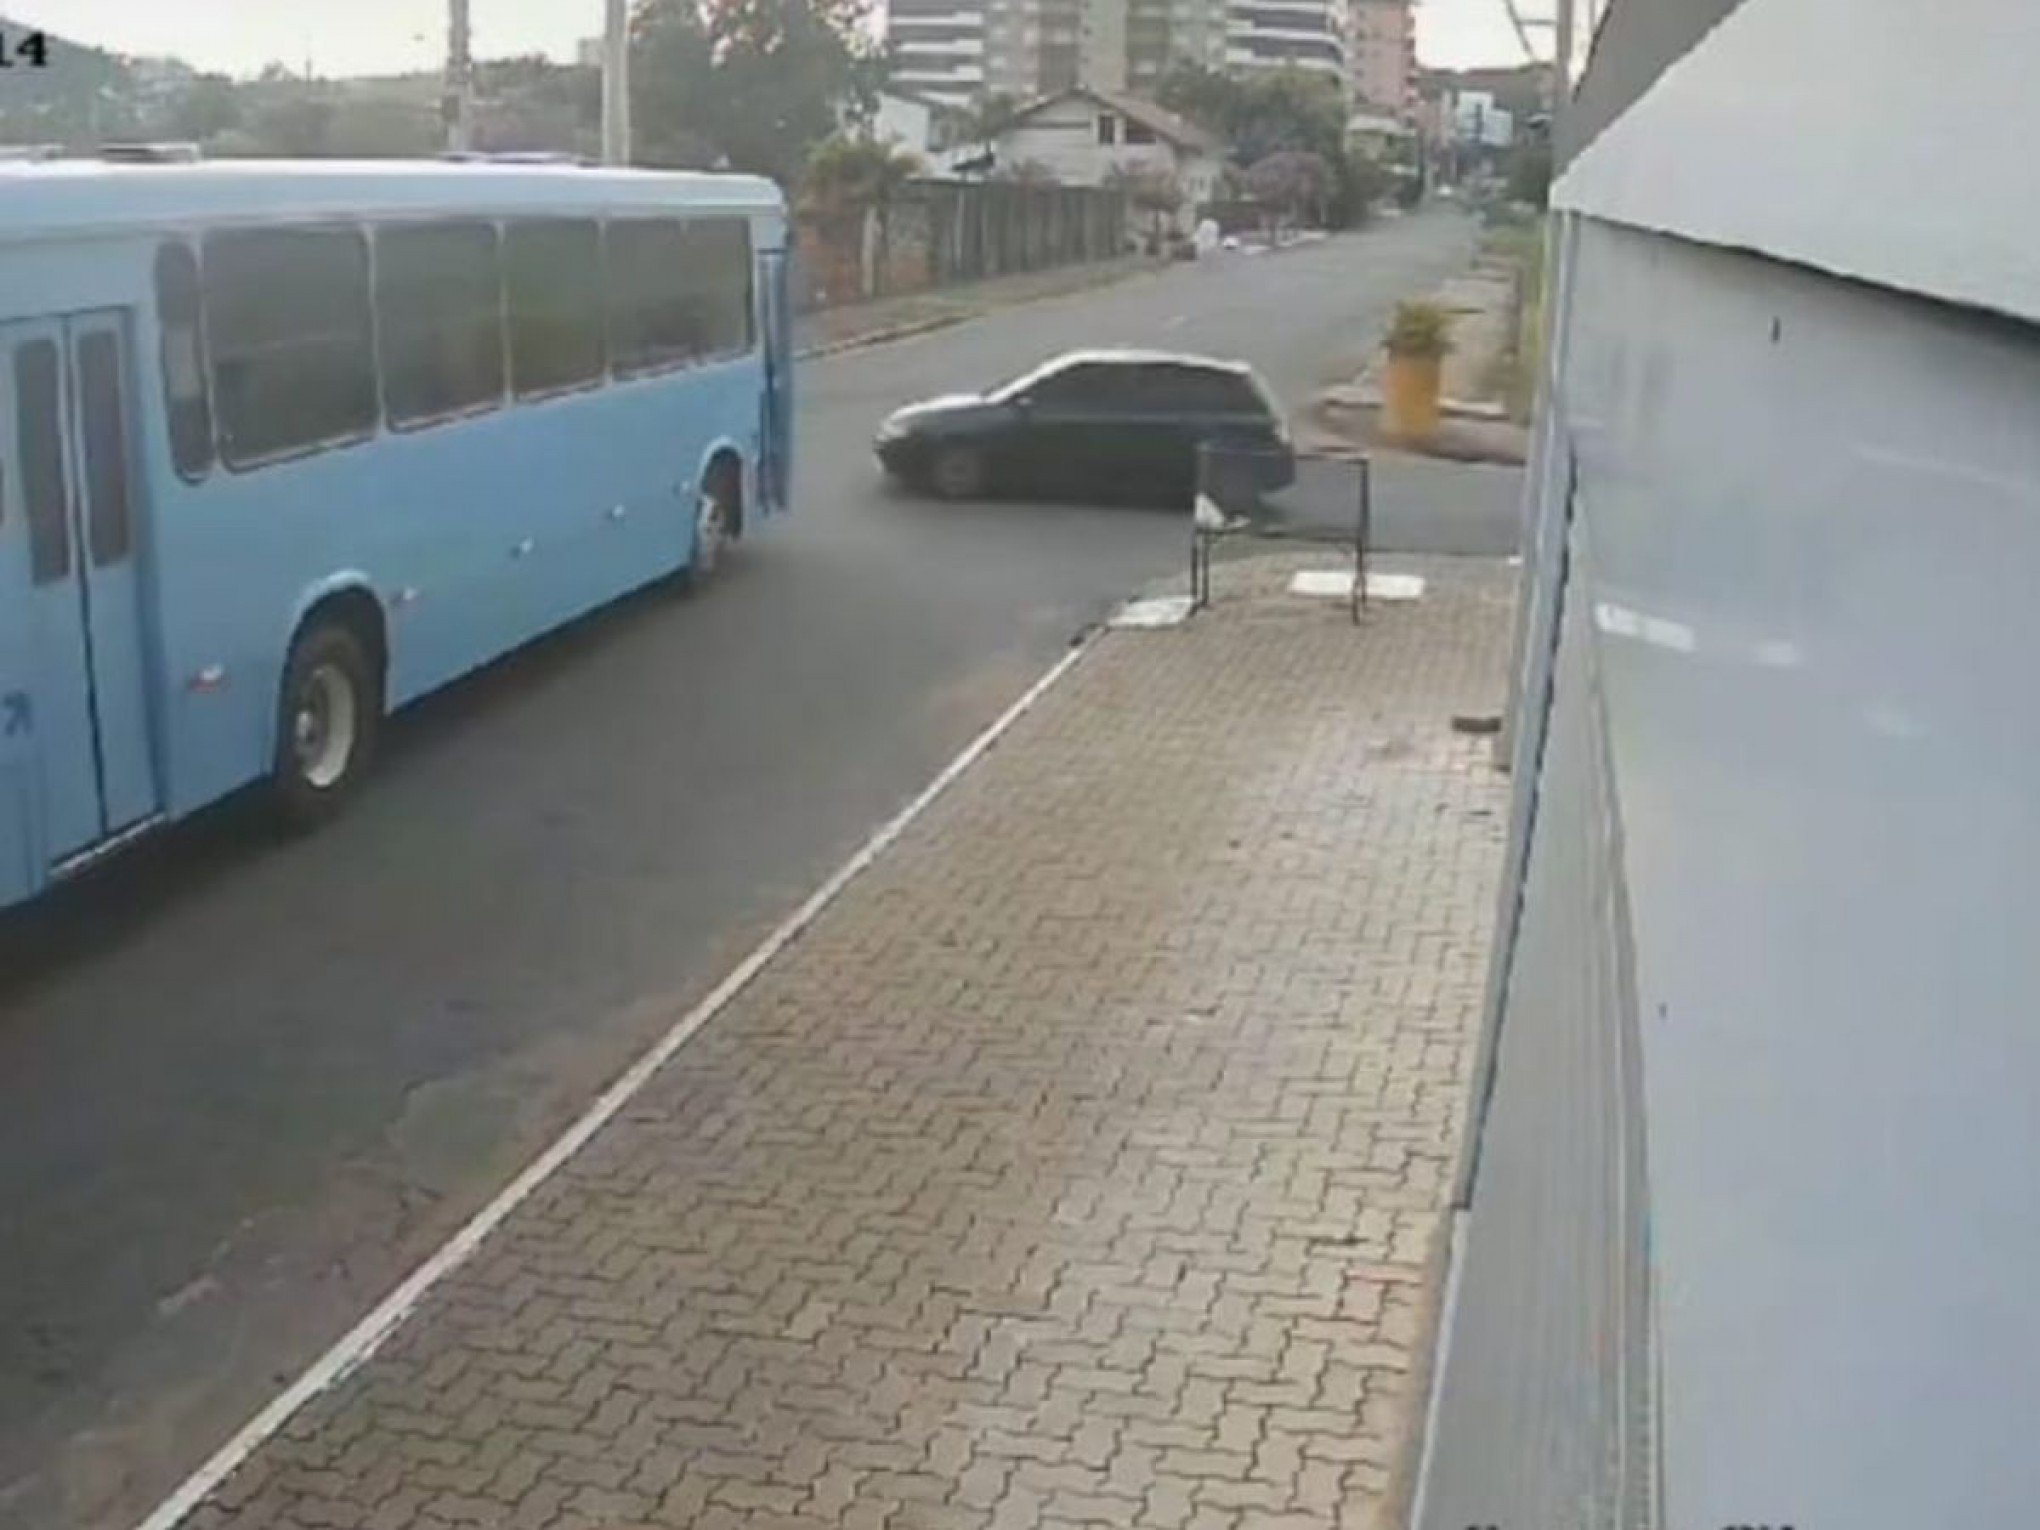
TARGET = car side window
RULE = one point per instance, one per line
(1084, 388)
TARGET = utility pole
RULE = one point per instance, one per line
(1561, 80)
(615, 82)
(456, 106)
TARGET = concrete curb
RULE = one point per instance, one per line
(886, 336)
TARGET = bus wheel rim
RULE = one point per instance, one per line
(324, 727)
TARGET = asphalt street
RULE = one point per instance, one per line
(244, 1084)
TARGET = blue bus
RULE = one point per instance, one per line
(286, 445)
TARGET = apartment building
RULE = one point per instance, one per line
(1382, 56)
(954, 50)
(939, 47)
(1302, 34)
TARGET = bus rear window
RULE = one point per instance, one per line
(553, 271)
(438, 293)
(287, 327)
(719, 279)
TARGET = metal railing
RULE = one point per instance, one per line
(1280, 496)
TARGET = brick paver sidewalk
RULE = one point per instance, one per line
(1083, 1164)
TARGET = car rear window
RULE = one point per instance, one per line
(1205, 390)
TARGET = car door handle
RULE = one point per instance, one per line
(524, 548)
(618, 512)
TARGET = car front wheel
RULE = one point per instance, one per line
(957, 472)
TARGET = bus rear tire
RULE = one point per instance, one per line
(718, 520)
(328, 716)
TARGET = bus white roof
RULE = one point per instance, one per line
(59, 199)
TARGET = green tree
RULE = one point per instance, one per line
(1261, 113)
(289, 117)
(845, 176)
(82, 96)
(1278, 111)
(1152, 191)
(382, 127)
(208, 106)
(987, 117)
(530, 103)
(754, 84)
(1207, 97)
(1291, 183)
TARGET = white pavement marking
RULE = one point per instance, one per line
(361, 1342)
(1337, 583)
(1161, 611)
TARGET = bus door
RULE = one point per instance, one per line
(67, 571)
(776, 450)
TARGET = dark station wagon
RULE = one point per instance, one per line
(1091, 425)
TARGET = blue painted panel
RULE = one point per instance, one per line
(22, 861)
(599, 486)
(107, 516)
(51, 630)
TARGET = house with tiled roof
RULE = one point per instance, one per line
(1091, 137)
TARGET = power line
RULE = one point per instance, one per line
(1523, 24)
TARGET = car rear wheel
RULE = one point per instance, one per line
(958, 472)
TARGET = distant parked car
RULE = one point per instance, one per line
(1091, 425)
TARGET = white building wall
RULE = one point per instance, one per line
(1814, 511)
(904, 123)
(1063, 137)
(1804, 536)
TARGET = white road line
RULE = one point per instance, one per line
(366, 1337)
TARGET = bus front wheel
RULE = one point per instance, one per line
(326, 725)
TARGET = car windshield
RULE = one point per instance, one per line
(1014, 387)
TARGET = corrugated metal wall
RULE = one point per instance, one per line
(1542, 1416)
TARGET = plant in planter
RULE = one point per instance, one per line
(1417, 342)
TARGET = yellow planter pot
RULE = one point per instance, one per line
(1409, 398)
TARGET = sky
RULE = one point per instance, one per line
(342, 37)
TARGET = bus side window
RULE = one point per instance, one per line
(438, 293)
(287, 328)
(185, 404)
(649, 325)
(552, 270)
